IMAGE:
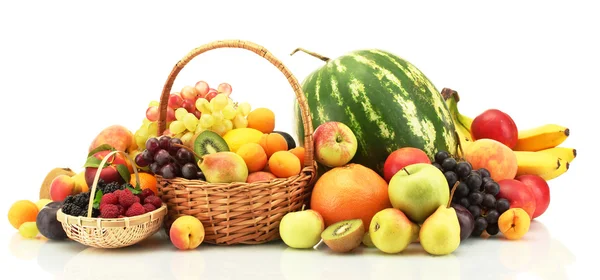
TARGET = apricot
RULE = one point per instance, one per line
(284, 164)
(494, 156)
(117, 136)
(260, 176)
(186, 233)
(273, 142)
(262, 119)
(63, 186)
(254, 155)
(299, 152)
(22, 211)
(514, 223)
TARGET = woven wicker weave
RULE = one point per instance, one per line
(238, 213)
(111, 233)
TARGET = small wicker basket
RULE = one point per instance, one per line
(238, 213)
(111, 233)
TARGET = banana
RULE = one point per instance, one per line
(462, 123)
(560, 171)
(567, 154)
(536, 163)
(542, 137)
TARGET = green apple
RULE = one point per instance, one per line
(301, 229)
(391, 231)
(418, 190)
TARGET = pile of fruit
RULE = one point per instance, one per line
(398, 163)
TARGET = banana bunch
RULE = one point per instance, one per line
(537, 150)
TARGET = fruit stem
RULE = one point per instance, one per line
(324, 58)
(452, 194)
(404, 168)
(303, 206)
(189, 149)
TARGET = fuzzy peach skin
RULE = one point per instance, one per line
(335, 144)
(62, 186)
(186, 233)
(117, 136)
(494, 156)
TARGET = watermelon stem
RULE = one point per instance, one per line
(324, 58)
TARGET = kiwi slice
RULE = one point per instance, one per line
(209, 142)
(288, 138)
(344, 236)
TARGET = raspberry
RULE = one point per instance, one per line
(149, 207)
(121, 209)
(135, 210)
(109, 198)
(126, 198)
(154, 200)
(137, 199)
(147, 193)
(109, 211)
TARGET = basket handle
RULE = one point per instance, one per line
(97, 177)
(259, 50)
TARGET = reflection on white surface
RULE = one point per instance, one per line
(537, 256)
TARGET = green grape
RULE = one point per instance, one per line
(203, 106)
(152, 128)
(180, 113)
(219, 128)
(218, 117)
(153, 103)
(228, 125)
(187, 137)
(190, 121)
(229, 112)
(176, 127)
(206, 120)
(145, 121)
(240, 122)
(28, 230)
(219, 102)
(244, 108)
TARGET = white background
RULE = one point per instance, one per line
(69, 69)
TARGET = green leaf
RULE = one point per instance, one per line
(92, 162)
(97, 199)
(124, 172)
(103, 147)
(136, 190)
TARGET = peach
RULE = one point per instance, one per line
(494, 156)
(514, 223)
(186, 233)
(109, 172)
(259, 176)
(254, 155)
(518, 194)
(63, 186)
(117, 136)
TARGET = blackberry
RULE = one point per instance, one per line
(111, 187)
(68, 200)
(71, 209)
(82, 200)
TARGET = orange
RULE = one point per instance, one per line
(22, 211)
(147, 181)
(349, 192)
(262, 119)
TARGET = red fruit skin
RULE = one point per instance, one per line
(518, 194)
(541, 192)
(401, 158)
(497, 125)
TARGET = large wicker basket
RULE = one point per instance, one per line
(238, 213)
(111, 233)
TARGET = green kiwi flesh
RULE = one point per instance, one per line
(209, 142)
(344, 236)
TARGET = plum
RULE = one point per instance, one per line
(497, 125)
(47, 223)
(466, 221)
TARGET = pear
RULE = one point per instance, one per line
(440, 233)
(223, 167)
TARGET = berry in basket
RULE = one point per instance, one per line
(123, 203)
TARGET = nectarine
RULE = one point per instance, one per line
(497, 125)
(518, 194)
(117, 136)
(494, 156)
(541, 192)
(186, 232)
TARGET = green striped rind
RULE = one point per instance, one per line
(386, 101)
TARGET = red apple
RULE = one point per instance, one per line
(518, 194)
(334, 144)
(402, 157)
(109, 172)
(497, 125)
(540, 190)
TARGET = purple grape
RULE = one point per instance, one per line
(155, 168)
(190, 171)
(141, 161)
(148, 156)
(152, 145)
(168, 171)
(184, 156)
(164, 142)
(162, 157)
(172, 148)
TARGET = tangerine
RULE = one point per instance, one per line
(352, 191)
(147, 181)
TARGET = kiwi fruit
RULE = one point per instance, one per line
(344, 236)
(45, 188)
(288, 138)
(209, 142)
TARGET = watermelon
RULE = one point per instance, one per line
(386, 101)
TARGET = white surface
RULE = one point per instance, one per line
(67, 70)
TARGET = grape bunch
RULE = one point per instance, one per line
(165, 157)
(195, 109)
(476, 191)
